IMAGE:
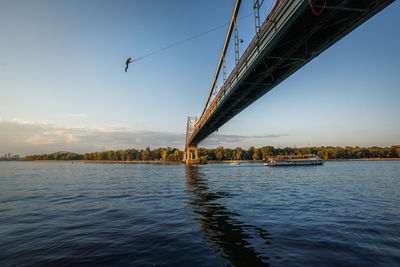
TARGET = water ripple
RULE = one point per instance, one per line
(342, 213)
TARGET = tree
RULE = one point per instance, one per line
(220, 153)
(177, 155)
(238, 153)
(250, 152)
(157, 153)
(396, 152)
(165, 155)
(267, 151)
(121, 154)
(257, 154)
(111, 155)
(146, 154)
(229, 154)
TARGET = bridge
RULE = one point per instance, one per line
(293, 33)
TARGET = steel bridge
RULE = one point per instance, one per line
(293, 33)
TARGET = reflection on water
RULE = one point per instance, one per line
(227, 236)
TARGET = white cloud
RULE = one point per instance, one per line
(79, 115)
(26, 138)
(244, 141)
(72, 139)
(39, 140)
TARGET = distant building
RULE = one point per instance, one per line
(9, 156)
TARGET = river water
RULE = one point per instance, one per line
(88, 214)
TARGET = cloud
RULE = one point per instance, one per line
(228, 140)
(80, 115)
(39, 140)
(26, 138)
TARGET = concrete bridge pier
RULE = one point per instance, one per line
(190, 157)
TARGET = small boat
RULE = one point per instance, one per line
(294, 160)
(235, 163)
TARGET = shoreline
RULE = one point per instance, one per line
(364, 159)
(107, 161)
(261, 161)
(210, 161)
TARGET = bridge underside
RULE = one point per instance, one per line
(303, 38)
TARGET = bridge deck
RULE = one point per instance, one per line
(290, 37)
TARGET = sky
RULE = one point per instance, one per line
(63, 85)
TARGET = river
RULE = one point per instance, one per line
(89, 214)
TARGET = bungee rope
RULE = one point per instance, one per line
(313, 9)
(187, 39)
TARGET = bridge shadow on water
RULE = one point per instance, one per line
(227, 236)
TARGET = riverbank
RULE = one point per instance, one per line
(364, 159)
(261, 161)
(109, 161)
(210, 161)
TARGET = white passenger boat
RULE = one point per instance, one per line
(294, 160)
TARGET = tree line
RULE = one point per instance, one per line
(164, 154)
(348, 152)
(221, 153)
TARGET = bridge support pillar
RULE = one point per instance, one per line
(191, 155)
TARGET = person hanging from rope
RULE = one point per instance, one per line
(128, 61)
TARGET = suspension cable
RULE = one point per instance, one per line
(221, 59)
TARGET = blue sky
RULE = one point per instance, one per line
(63, 85)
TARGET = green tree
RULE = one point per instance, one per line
(267, 151)
(111, 155)
(257, 154)
(177, 155)
(146, 154)
(165, 155)
(396, 152)
(250, 152)
(220, 153)
(229, 154)
(238, 153)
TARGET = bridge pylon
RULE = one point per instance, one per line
(191, 153)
